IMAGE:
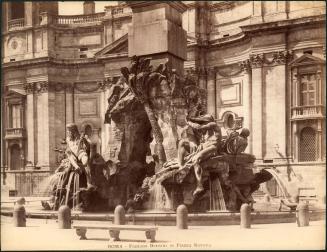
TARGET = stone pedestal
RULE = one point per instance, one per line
(157, 32)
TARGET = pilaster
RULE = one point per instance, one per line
(275, 107)
(69, 89)
(31, 120)
(45, 124)
(211, 92)
(247, 100)
(257, 129)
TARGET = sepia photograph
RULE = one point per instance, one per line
(163, 125)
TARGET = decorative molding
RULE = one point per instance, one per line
(231, 94)
(29, 88)
(229, 71)
(87, 87)
(256, 60)
(237, 120)
(245, 65)
(88, 107)
(279, 58)
(42, 87)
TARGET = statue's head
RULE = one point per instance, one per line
(72, 131)
(245, 132)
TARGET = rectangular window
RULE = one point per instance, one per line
(15, 116)
(308, 88)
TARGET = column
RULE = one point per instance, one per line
(30, 125)
(247, 100)
(211, 92)
(256, 64)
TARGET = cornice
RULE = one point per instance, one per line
(178, 5)
(265, 26)
(50, 60)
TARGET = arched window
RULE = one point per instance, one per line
(17, 10)
(307, 145)
(15, 157)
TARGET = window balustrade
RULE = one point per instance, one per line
(16, 23)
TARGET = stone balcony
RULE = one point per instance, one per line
(16, 24)
(307, 112)
(15, 133)
(79, 19)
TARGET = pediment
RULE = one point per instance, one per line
(15, 92)
(307, 59)
(117, 47)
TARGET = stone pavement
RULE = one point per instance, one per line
(45, 235)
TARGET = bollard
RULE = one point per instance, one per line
(64, 217)
(266, 198)
(181, 217)
(302, 215)
(19, 217)
(245, 214)
(119, 215)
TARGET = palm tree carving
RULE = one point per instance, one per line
(140, 78)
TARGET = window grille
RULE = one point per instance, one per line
(307, 145)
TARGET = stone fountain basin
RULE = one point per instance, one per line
(168, 218)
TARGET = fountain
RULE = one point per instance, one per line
(156, 113)
(164, 150)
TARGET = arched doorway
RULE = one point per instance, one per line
(307, 145)
(15, 157)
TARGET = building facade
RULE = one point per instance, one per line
(261, 62)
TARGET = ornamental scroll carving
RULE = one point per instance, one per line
(278, 58)
(37, 87)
